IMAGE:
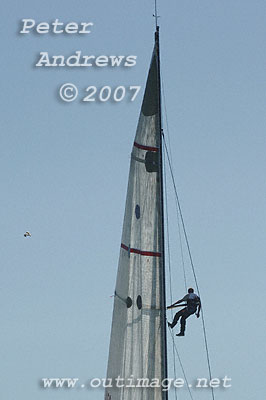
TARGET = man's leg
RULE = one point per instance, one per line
(176, 318)
(185, 315)
(183, 324)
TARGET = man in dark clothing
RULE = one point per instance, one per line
(193, 304)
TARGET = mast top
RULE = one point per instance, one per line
(156, 16)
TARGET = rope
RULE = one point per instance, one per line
(182, 254)
(192, 264)
(176, 203)
(183, 370)
(169, 158)
(171, 292)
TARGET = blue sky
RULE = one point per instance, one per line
(64, 171)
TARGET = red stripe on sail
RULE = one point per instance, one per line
(141, 252)
(142, 147)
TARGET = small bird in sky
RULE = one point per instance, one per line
(27, 234)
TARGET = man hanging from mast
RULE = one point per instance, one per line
(193, 305)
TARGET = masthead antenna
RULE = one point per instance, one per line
(156, 16)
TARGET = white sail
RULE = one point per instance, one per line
(137, 355)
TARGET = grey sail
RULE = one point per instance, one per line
(137, 354)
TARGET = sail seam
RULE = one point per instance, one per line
(141, 252)
(143, 147)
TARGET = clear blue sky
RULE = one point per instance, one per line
(64, 171)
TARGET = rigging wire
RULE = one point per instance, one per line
(192, 266)
(170, 275)
(175, 350)
(186, 240)
(182, 253)
(181, 364)
(169, 263)
(176, 203)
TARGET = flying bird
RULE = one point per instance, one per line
(27, 234)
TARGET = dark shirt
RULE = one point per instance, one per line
(192, 301)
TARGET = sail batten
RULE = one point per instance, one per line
(137, 346)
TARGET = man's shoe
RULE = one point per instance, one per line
(170, 325)
(180, 334)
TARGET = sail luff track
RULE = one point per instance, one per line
(163, 283)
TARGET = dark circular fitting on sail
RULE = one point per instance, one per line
(137, 211)
(139, 302)
(128, 302)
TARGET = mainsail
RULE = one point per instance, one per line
(137, 356)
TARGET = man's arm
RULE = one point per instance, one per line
(177, 302)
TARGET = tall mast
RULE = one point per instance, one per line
(163, 288)
(138, 336)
